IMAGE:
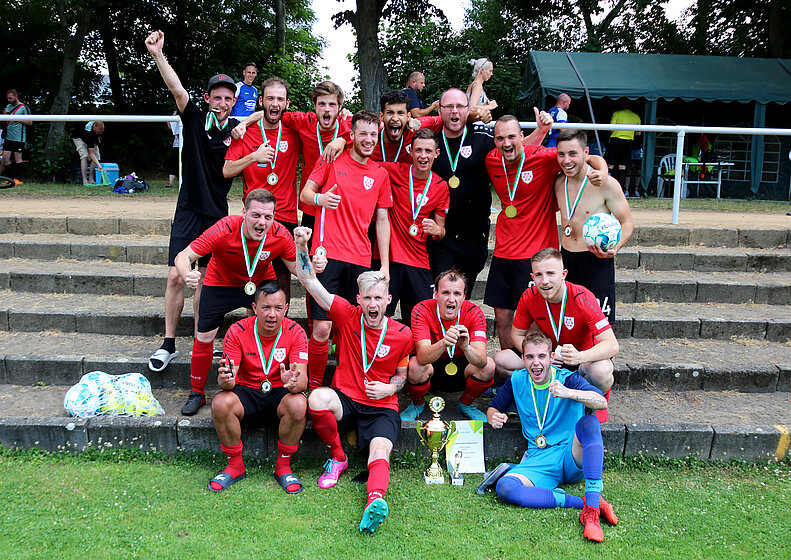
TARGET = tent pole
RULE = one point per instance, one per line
(588, 98)
(678, 176)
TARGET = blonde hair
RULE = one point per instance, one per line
(371, 278)
(478, 64)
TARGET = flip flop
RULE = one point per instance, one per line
(286, 480)
(163, 357)
(225, 480)
(491, 477)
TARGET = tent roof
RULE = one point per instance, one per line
(656, 76)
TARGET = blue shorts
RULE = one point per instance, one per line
(549, 468)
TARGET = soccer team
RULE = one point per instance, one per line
(394, 210)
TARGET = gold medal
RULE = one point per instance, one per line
(413, 230)
(541, 442)
(567, 231)
(321, 251)
(451, 368)
(271, 178)
(453, 182)
(266, 386)
(510, 211)
(249, 288)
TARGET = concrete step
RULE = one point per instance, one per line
(704, 259)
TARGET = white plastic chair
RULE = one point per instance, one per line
(666, 165)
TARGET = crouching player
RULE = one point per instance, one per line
(563, 444)
(372, 368)
(262, 375)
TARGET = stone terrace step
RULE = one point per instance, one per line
(633, 285)
(644, 235)
(704, 259)
(139, 315)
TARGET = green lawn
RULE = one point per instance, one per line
(139, 505)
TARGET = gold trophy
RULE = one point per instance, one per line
(434, 435)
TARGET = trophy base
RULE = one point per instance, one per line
(433, 480)
(457, 480)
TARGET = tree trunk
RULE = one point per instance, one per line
(72, 46)
(111, 57)
(775, 31)
(280, 26)
(373, 78)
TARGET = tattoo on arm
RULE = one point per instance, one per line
(399, 379)
(589, 400)
(304, 261)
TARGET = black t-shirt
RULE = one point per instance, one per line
(471, 201)
(90, 138)
(203, 188)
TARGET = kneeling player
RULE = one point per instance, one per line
(450, 337)
(563, 445)
(256, 386)
(372, 367)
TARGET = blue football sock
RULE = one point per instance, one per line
(588, 432)
(513, 490)
(564, 500)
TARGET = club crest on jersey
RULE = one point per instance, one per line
(280, 354)
(420, 199)
(264, 256)
(368, 182)
(284, 146)
(527, 176)
(408, 149)
(384, 350)
(568, 322)
(466, 151)
(227, 141)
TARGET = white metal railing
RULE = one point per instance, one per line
(679, 130)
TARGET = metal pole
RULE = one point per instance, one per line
(678, 177)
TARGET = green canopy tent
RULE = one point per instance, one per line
(660, 76)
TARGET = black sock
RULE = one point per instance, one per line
(169, 344)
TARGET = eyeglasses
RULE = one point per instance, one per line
(458, 107)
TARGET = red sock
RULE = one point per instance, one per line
(235, 463)
(283, 462)
(317, 361)
(378, 479)
(604, 415)
(418, 391)
(202, 355)
(474, 388)
(327, 427)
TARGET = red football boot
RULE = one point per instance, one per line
(589, 517)
(606, 510)
(604, 415)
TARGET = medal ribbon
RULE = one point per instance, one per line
(366, 365)
(277, 144)
(451, 349)
(211, 119)
(512, 193)
(570, 209)
(415, 212)
(318, 136)
(382, 146)
(557, 327)
(454, 162)
(250, 271)
(541, 421)
(266, 363)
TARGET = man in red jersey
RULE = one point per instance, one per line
(420, 204)
(372, 368)
(450, 337)
(582, 336)
(267, 158)
(241, 249)
(523, 176)
(395, 137)
(348, 193)
(262, 375)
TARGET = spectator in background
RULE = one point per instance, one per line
(559, 115)
(619, 151)
(173, 160)
(417, 107)
(246, 92)
(482, 71)
(14, 136)
(87, 140)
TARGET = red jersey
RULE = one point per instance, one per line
(239, 344)
(394, 351)
(404, 248)
(582, 321)
(425, 324)
(401, 151)
(363, 189)
(306, 125)
(534, 227)
(285, 190)
(227, 266)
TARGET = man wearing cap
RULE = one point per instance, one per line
(203, 195)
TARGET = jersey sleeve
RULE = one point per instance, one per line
(232, 344)
(504, 398)
(579, 383)
(419, 322)
(443, 202)
(432, 123)
(523, 318)
(594, 317)
(289, 252)
(341, 311)
(235, 150)
(385, 199)
(476, 324)
(320, 172)
(298, 352)
(207, 240)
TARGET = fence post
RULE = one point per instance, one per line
(678, 176)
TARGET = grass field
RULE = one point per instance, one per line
(124, 504)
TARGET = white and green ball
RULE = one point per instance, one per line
(602, 229)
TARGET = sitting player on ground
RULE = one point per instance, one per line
(563, 444)
(372, 368)
(450, 337)
(257, 387)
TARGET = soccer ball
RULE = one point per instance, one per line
(82, 400)
(603, 230)
(112, 402)
(96, 379)
(132, 383)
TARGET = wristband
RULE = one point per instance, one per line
(316, 199)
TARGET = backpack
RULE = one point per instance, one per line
(130, 184)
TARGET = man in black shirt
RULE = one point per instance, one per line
(88, 139)
(203, 195)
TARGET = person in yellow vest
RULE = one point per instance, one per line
(619, 150)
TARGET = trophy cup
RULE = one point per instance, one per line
(434, 435)
(456, 478)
